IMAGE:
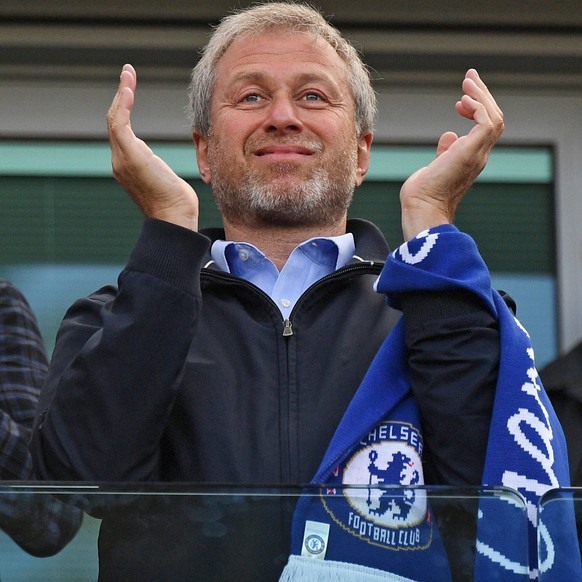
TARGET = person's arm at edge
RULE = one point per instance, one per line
(39, 524)
(23, 367)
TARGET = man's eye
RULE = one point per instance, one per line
(312, 97)
(252, 98)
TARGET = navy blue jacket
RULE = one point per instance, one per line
(186, 373)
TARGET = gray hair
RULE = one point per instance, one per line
(268, 17)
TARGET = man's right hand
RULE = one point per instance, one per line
(152, 184)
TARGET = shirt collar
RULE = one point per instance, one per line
(239, 258)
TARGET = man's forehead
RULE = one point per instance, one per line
(294, 58)
(285, 45)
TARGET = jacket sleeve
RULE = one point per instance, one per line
(453, 355)
(442, 285)
(118, 354)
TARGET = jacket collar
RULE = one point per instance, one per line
(370, 242)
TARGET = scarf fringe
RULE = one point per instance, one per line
(301, 569)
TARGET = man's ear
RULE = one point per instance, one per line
(201, 144)
(364, 149)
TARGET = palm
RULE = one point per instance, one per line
(151, 183)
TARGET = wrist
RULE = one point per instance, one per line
(411, 228)
(186, 218)
(419, 217)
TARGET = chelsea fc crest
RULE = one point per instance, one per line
(385, 512)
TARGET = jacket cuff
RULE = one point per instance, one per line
(171, 253)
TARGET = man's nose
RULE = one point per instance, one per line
(283, 115)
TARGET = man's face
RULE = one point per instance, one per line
(282, 147)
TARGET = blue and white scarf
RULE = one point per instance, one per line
(368, 534)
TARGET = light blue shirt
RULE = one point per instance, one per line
(309, 262)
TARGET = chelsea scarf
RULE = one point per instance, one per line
(367, 533)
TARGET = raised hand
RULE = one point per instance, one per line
(431, 195)
(152, 184)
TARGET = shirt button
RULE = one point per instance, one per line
(243, 255)
(285, 302)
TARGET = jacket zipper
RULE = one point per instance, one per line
(287, 328)
(288, 432)
(372, 267)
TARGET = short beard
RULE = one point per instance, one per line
(316, 200)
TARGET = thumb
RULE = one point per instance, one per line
(446, 141)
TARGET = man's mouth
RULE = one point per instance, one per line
(284, 151)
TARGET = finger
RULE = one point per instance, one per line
(487, 122)
(131, 70)
(127, 82)
(446, 141)
(474, 87)
(478, 105)
(127, 79)
(119, 114)
(466, 107)
(474, 76)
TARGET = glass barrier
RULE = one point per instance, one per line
(180, 532)
(560, 528)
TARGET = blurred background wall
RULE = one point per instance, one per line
(67, 228)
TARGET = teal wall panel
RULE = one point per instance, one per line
(68, 227)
